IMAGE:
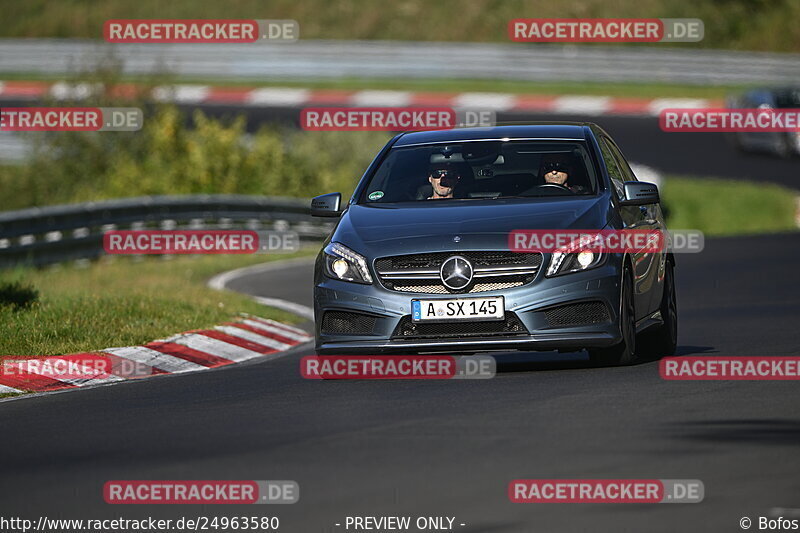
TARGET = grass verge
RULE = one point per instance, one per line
(720, 207)
(122, 302)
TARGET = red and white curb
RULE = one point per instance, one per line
(299, 97)
(248, 338)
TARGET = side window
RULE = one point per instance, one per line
(614, 171)
(625, 169)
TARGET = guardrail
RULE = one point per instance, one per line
(310, 59)
(47, 235)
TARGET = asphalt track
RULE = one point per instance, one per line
(450, 448)
(447, 448)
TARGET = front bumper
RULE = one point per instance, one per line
(529, 303)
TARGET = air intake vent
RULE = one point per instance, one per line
(344, 323)
(580, 314)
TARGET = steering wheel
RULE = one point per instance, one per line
(557, 186)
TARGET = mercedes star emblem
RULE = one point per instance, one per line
(456, 272)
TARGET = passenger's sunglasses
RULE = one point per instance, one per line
(557, 167)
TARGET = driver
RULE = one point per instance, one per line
(557, 169)
(443, 179)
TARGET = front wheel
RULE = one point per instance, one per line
(624, 352)
(663, 341)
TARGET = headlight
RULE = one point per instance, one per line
(565, 261)
(343, 263)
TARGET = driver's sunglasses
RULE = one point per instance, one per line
(557, 167)
(439, 174)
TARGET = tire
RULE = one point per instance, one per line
(737, 143)
(663, 340)
(791, 145)
(623, 353)
(785, 150)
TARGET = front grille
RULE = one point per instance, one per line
(441, 289)
(579, 314)
(344, 323)
(421, 330)
(493, 270)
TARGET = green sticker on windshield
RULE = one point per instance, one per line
(377, 195)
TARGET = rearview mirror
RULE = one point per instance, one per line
(640, 193)
(327, 205)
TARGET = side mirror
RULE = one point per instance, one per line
(327, 205)
(640, 193)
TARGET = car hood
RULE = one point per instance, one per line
(472, 224)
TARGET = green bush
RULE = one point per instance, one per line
(17, 295)
(171, 156)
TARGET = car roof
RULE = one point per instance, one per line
(781, 97)
(544, 130)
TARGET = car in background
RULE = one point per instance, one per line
(782, 144)
(404, 273)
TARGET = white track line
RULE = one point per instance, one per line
(182, 94)
(381, 98)
(66, 91)
(88, 381)
(659, 104)
(277, 96)
(298, 309)
(283, 332)
(490, 101)
(4, 389)
(206, 344)
(281, 325)
(590, 105)
(253, 337)
(161, 361)
(220, 283)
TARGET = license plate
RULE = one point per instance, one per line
(473, 309)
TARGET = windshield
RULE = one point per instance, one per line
(482, 169)
(787, 98)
